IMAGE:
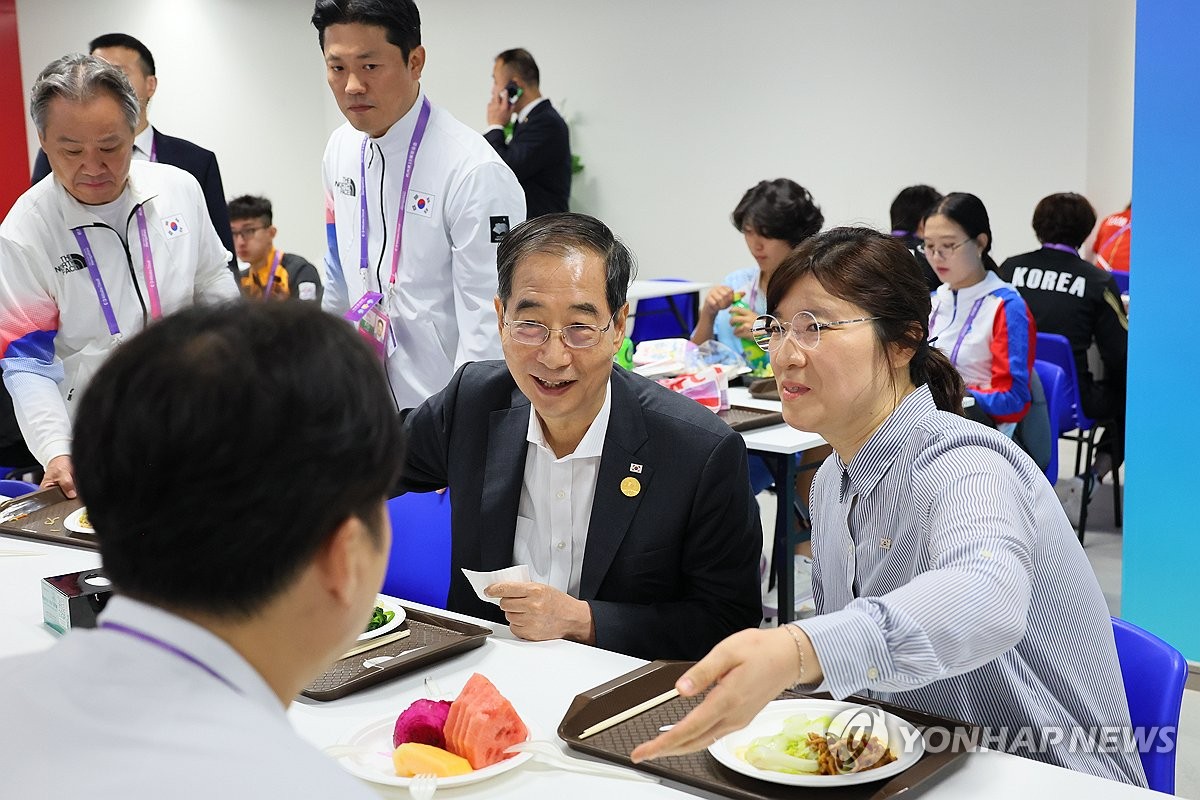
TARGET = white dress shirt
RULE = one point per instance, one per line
(556, 503)
(105, 713)
(143, 144)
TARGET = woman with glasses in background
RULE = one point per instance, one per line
(978, 320)
(947, 577)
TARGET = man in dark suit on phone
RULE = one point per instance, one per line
(137, 62)
(630, 504)
(539, 151)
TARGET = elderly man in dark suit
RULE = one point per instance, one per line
(137, 62)
(539, 152)
(630, 504)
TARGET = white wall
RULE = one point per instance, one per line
(677, 107)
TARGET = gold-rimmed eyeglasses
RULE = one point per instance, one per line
(576, 337)
(770, 333)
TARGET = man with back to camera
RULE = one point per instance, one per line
(240, 570)
(540, 149)
(94, 253)
(906, 213)
(1078, 300)
(630, 504)
(415, 201)
(136, 61)
(270, 272)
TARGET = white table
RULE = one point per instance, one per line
(540, 679)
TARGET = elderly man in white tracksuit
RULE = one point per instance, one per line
(93, 252)
(415, 202)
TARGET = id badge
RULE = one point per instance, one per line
(370, 318)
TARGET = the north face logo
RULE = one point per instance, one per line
(346, 186)
(70, 263)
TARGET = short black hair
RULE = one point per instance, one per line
(129, 43)
(779, 209)
(559, 234)
(250, 206)
(220, 448)
(1064, 218)
(521, 62)
(910, 206)
(399, 18)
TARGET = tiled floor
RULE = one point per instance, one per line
(1102, 543)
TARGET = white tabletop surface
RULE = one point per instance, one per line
(645, 289)
(540, 679)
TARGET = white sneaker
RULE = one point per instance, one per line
(1073, 493)
(802, 593)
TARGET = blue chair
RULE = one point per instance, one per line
(1122, 279)
(1154, 674)
(419, 565)
(1058, 407)
(1077, 426)
(10, 488)
(669, 317)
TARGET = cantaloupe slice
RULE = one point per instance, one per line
(413, 758)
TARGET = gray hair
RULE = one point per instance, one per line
(79, 78)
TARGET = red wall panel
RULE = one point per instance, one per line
(14, 151)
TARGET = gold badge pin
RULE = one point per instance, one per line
(630, 487)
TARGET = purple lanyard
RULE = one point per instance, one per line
(1066, 248)
(271, 276)
(153, 147)
(89, 258)
(170, 648)
(413, 146)
(962, 334)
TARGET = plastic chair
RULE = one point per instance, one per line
(1154, 674)
(655, 317)
(419, 565)
(1122, 279)
(9, 488)
(1077, 426)
(1058, 407)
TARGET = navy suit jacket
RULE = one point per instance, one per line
(539, 154)
(669, 572)
(201, 163)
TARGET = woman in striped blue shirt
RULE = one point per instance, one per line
(946, 576)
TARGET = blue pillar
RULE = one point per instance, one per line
(1161, 571)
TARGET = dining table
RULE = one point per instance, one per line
(540, 679)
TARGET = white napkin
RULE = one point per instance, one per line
(482, 580)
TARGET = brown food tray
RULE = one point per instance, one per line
(432, 638)
(701, 770)
(743, 418)
(41, 516)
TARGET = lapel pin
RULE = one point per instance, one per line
(885, 543)
(635, 468)
(630, 487)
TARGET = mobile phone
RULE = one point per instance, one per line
(513, 92)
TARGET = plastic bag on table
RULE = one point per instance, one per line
(708, 386)
(657, 358)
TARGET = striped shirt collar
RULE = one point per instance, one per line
(874, 458)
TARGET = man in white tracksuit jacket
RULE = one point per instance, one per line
(76, 272)
(458, 201)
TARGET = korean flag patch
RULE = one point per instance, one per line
(174, 226)
(420, 203)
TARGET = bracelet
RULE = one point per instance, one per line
(795, 634)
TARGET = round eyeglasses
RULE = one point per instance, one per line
(770, 333)
(945, 251)
(576, 337)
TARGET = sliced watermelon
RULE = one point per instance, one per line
(482, 724)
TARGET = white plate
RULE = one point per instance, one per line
(397, 621)
(374, 762)
(904, 740)
(73, 524)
